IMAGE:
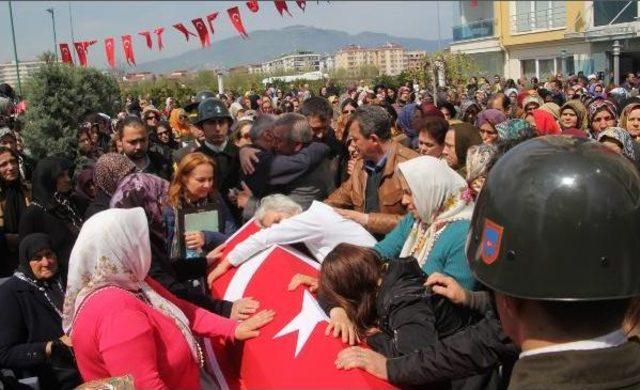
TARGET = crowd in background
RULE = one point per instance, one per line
(378, 184)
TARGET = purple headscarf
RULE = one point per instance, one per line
(491, 116)
(405, 119)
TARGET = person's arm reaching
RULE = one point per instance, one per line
(285, 169)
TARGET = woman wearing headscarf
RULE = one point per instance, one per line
(486, 121)
(456, 143)
(602, 115)
(161, 140)
(179, 122)
(573, 116)
(31, 336)
(110, 169)
(85, 191)
(151, 193)
(435, 229)
(630, 120)
(478, 158)
(543, 121)
(469, 110)
(619, 140)
(123, 322)
(51, 210)
(405, 121)
(14, 198)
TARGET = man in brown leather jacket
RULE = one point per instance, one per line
(372, 195)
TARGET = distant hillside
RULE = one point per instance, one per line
(267, 44)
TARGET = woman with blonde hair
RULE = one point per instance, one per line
(192, 191)
(179, 122)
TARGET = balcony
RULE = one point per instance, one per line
(473, 30)
(544, 19)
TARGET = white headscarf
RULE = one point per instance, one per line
(113, 249)
(437, 192)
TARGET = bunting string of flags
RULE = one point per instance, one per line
(202, 33)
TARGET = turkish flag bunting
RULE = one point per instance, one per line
(253, 6)
(203, 33)
(210, 19)
(281, 6)
(110, 51)
(158, 31)
(474, 3)
(147, 37)
(292, 351)
(65, 53)
(234, 15)
(302, 4)
(127, 46)
(180, 27)
(82, 53)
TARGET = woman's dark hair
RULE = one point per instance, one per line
(436, 127)
(450, 107)
(349, 278)
(348, 102)
(510, 84)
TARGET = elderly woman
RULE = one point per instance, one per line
(543, 121)
(123, 322)
(602, 115)
(435, 229)
(486, 121)
(478, 159)
(31, 336)
(619, 140)
(469, 111)
(630, 120)
(110, 169)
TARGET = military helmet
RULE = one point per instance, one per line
(200, 97)
(557, 219)
(212, 108)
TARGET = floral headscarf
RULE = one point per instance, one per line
(478, 156)
(602, 104)
(437, 192)
(147, 191)
(515, 129)
(110, 169)
(623, 137)
(113, 249)
(581, 112)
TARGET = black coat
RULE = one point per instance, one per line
(409, 317)
(227, 172)
(37, 220)
(28, 324)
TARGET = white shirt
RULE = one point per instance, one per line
(217, 149)
(609, 340)
(320, 228)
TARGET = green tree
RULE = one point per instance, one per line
(58, 96)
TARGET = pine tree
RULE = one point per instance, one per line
(58, 96)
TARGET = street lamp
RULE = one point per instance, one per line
(563, 60)
(55, 38)
(15, 49)
(616, 61)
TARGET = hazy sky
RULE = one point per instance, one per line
(101, 19)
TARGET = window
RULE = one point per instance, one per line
(546, 68)
(604, 11)
(537, 15)
(528, 67)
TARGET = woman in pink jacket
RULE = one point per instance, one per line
(123, 322)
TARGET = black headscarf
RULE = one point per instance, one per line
(44, 191)
(29, 246)
(14, 194)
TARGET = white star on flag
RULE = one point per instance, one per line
(305, 322)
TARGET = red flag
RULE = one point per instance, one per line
(281, 6)
(65, 53)
(180, 27)
(127, 45)
(474, 3)
(158, 31)
(292, 351)
(210, 19)
(147, 37)
(82, 53)
(109, 50)
(203, 33)
(253, 6)
(302, 4)
(234, 15)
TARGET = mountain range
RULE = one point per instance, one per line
(264, 45)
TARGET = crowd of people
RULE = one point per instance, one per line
(477, 237)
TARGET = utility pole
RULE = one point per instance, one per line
(73, 37)
(55, 38)
(15, 49)
(438, 17)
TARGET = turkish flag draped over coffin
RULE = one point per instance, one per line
(292, 351)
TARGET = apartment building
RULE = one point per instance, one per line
(26, 68)
(300, 61)
(389, 58)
